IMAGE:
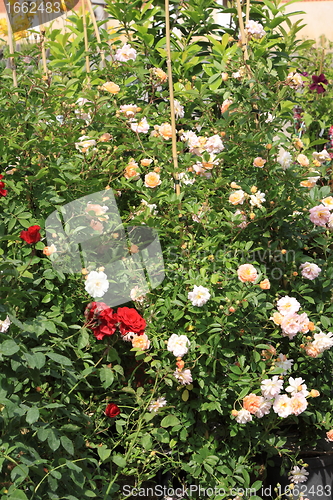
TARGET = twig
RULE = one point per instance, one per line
(85, 32)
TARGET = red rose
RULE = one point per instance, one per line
(112, 410)
(32, 235)
(103, 317)
(3, 192)
(130, 321)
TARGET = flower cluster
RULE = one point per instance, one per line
(255, 29)
(104, 321)
(287, 318)
(178, 345)
(292, 403)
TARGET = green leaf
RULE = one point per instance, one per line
(17, 495)
(106, 375)
(32, 415)
(119, 460)
(170, 421)
(103, 452)
(67, 444)
(146, 441)
(83, 339)
(59, 358)
(9, 347)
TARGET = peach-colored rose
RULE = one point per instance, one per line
(165, 130)
(145, 162)
(237, 197)
(49, 250)
(111, 87)
(329, 435)
(314, 393)
(259, 162)
(247, 272)
(303, 160)
(234, 413)
(298, 143)
(97, 209)
(105, 137)
(131, 171)
(311, 351)
(252, 403)
(160, 74)
(311, 326)
(234, 185)
(141, 342)
(152, 180)
(277, 318)
(265, 284)
(226, 104)
(97, 226)
(268, 353)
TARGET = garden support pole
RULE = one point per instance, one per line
(11, 50)
(98, 37)
(85, 33)
(172, 105)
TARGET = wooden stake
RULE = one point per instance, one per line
(171, 98)
(42, 30)
(11, 50)
(247, 16)
(85, 32)
(92, 15)
(242, 30)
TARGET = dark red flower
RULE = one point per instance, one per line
(317, 83)
(104, 319)
(130, 321)
(112, 410)
(32, 235)
(3, 192)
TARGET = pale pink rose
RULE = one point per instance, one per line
(310, 270)
(263, 409)
(141, 127)
(311, 350)
(288, 305)
(271, 387)
(290, 325)
(125, 53)
(243, 416)
(298, 404)
(319, 215)
(184, 376)
(282, 406)
(247, 272)
(214, 144)
(297, 386)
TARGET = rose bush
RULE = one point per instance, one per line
(219, 367)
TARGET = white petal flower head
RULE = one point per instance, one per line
(140, 127)
(297, 386)
(96, 284)
(255, 29)
(310, 270)
(288, 305)
(177, 344)
(199, 296)
(322, 156)
(322, 341)
(184, 376)
(125, 53)
(282, 406)
(271, 387)
(284, 158)
(256, 200)
(4, 325)
(214, 144)
(298, 404)
(263, 409)
(283, 362)
(156, 405)
(179, 109)
(243, 416)
(298, 475)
